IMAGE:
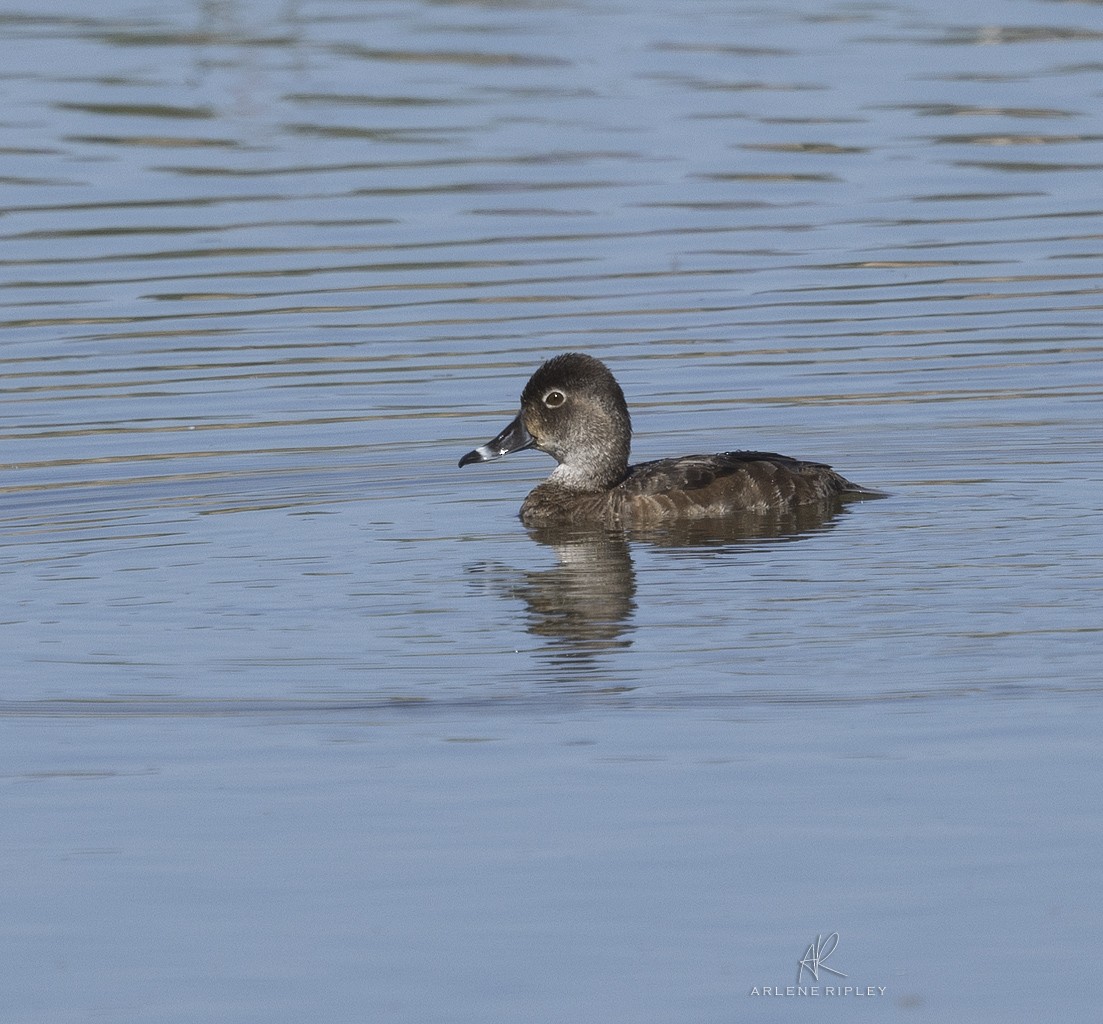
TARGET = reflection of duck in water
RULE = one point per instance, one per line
(574, 410)
(584, 606)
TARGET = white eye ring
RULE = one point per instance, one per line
(554, 398)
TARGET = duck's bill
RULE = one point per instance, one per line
(514, 438)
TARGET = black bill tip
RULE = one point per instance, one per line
(514, 438)
(477, 455)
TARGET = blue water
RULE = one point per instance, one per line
(297, 720)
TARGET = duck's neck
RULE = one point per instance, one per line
(592, 469)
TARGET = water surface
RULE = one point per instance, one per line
(299, 719)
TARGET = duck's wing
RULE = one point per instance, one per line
(736, 480)
(692, 472)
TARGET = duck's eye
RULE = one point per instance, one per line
(554, 399)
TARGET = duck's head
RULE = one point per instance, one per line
(573, 409)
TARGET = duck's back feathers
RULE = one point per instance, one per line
(694, 487)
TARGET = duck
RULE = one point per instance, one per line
(574, 410)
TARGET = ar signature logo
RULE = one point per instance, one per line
(816, 954)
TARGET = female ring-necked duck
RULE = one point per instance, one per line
(574, 410)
